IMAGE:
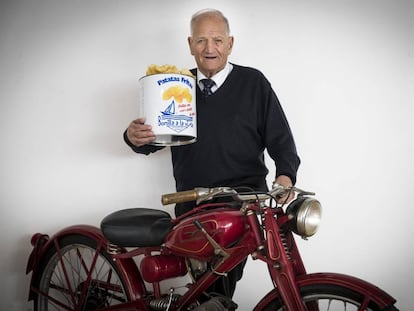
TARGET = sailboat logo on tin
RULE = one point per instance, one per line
(175, 117)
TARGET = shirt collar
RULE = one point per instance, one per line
(218, 78)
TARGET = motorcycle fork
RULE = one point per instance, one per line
(281, 266)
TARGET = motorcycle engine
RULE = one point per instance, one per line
(197, 267)
(217, 303)
(157, 268)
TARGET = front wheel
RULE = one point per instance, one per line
(77, 274)
(329, 297)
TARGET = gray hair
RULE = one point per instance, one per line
(208, 12)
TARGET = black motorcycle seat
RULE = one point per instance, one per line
(136, 227)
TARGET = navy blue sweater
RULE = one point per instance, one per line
(234, 127)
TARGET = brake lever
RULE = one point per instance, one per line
(280, 191)
(301, 192)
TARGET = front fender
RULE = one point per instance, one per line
(42, 243)
(368, 290)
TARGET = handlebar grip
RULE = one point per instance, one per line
(179, 197)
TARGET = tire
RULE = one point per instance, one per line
(328, 297)
(63, 283)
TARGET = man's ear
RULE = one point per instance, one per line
(190, 40)
(231, 42)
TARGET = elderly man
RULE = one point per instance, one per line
(238, 117)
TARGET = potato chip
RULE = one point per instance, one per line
(156, 69)
(186, 72)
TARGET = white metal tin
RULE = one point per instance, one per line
(168, 102)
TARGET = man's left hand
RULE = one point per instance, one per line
(286, 182)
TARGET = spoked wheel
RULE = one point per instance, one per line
(78, 276)
(325, 297)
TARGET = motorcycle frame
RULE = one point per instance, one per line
(280, 253)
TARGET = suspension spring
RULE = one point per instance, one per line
(113, 249)
(162, 304)
(285, 245)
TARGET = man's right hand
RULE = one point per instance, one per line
(140, 133)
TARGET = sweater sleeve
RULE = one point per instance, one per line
(279, 139)
(146, 149)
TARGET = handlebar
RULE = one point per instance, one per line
(197, 194)
(179, 197)
(204, 194)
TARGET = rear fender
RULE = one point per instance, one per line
(42, 243)
(368, 290)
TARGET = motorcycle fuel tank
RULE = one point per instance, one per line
(224, 225)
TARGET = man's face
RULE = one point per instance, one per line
(210, 45)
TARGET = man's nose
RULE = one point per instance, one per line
(210, 46)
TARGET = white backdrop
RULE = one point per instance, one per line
(341, 69)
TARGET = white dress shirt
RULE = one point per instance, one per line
(218, 78)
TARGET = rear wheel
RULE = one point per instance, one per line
(77, 275)
(324, 297)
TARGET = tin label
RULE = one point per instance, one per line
(169, 104)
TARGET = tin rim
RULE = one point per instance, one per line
(174, 140)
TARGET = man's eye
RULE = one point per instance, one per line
(218, 41)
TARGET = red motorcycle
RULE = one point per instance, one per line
(86, 268)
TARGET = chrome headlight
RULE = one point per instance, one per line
(305, 213)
